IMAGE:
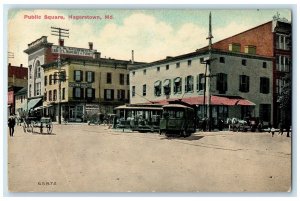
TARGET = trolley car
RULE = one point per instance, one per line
(177, 120)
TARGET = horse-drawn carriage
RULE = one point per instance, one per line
(30, 122)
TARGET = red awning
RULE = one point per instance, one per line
(215, 100)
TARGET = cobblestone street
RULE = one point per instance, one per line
(82, 158)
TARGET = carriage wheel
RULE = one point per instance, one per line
(49, 128)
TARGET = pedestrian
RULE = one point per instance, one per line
(273, 131)
(11, 125)
(280, 126)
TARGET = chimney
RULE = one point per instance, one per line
(132, 56)
(61, 42)
(21, 65)
(90, 45)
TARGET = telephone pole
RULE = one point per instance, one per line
(61, 33)
(208, 73)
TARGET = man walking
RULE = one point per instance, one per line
(11, 125)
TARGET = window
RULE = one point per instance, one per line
(50, 79)
(121, 94)
(89, 76)
(29, 91)
(30, 72)
(90, 93)
(122, 79)
(200, 82)
(264, 64)
(144, 71)
(264, 85)
(189, 83)
(265, 112)
(282, 63)
(63, 93)
(77, 92)
(37, 89)
(54, 95)
(244, 83)
(244, 62)
(108, 94)
(177, 85)
(50, 95)
(108, 78)
(178, 65)
(158, 69)
(54, 78)
(221, 83)
(167, 87)
(222, 60)
(133, 91)
(127, 80)
(144, 90)
(45, 96)
(38, 75)
(78, 75)
(167, 67)
(189, 62)
(45, 80)
(157, 88)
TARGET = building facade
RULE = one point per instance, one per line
(272, 39)
(17, 79)
(97, 85)
(41, 52)
(239, 83)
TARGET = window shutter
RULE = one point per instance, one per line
(82, 93)
(192, 82)
(267, 85)
(261, 85)
(185, 84)
(74, 75)
(85, 93)
(81, 75)
(93, 93)
(74, 92)
(225, 82)
(248, 83)
(86, 76)
(112, 94)
(93, 76)
(241, 81)
(198, 82)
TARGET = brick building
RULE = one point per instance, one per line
(271, 39)
(17, 79)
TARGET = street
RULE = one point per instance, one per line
(82, 158)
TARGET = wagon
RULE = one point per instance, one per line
(32, 122)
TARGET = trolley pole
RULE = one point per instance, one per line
(208, 73)
(60, 32)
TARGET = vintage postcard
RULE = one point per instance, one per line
(154, 100)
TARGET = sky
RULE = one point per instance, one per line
(152, 34)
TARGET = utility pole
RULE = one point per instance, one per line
(61, 33)
(208, 73)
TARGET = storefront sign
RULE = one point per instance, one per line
(91, 107)
(81, 85)
(73, 51)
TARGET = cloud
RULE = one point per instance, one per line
(150, 38)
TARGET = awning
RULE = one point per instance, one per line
(40, 108)
(166, 82)
(157, 83)
(215, 100)
(32, 103)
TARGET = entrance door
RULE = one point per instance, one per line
(71, 114)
